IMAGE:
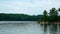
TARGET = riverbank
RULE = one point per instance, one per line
(49, 22)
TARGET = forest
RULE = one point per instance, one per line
(51, 16)
(18, 17)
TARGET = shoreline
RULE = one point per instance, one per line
(49, 22)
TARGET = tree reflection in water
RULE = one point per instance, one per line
(59, 29)
(51, 29)
(45, 29)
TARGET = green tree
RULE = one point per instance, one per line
(59, 15)
(45, 15)
(56, 16)
(53, 14)
(58, 9)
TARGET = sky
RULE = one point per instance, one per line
(31, 7)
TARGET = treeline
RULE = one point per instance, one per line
(18, 17)
(51, 16)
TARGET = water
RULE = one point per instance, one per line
(27, 27)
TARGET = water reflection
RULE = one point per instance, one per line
(45, 29)
(51, 29)
(59, 28)
(28, 28)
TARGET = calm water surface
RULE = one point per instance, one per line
(27, 27)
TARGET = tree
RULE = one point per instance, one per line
(56, 15)
(58, 9)
(53, 14)
(45, 15)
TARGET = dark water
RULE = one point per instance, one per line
(52, 29)
(27, 27)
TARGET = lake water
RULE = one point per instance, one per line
(27, 27)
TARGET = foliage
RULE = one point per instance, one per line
(45, 15)
(18, 17)
(52, 16)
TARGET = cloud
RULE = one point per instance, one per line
(32, 7)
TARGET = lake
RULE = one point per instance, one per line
(27, 27)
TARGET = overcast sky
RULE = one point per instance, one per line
(31, 7)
